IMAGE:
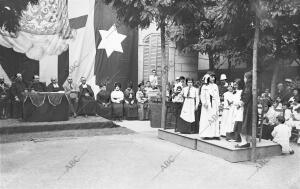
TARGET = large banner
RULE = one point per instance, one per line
(109, 62)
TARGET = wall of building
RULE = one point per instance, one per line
(180, 64)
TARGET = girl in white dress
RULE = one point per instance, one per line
(227, 122)
(238, 109)
(209, 118)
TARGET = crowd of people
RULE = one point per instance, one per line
(199, 104)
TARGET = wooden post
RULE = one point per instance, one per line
(254, 90)
(164, 72)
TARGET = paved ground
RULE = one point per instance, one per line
(135, 160)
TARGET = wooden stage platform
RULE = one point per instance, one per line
(13, 126)
(220, 148)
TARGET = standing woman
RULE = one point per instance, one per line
(210, 99)
(186, 123)
(246, 126)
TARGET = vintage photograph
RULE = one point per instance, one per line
(149, 94)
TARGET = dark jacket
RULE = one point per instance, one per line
(246, 98)
(39, 87)
(17, 88)
(50, 88)
(82, 91)
(103, 97)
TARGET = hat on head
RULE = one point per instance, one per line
(288, 80)
(177, 78)
(223, 77)
(205, 78)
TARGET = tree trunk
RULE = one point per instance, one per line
(164, 74)
(211, 61)
(254, 90)
(274, 78)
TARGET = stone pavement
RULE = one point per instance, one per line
(135, 161)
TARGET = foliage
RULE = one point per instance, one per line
(227, 28)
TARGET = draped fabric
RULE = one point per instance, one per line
(44, 30)
(38, 99)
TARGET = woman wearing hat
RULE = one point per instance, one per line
(209, 118)
(117, 98)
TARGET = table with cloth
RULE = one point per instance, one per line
(45, 106)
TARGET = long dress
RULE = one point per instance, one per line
(247, 115)
(209, 118)
(117, 98)
(104, 105)
(130, 106)
(238, 111)
(186, 122)
(227, 123)
(86, 102)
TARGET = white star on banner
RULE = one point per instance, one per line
(111, 40)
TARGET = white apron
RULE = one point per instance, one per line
(190, 104)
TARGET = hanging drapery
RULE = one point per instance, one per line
(43, 29)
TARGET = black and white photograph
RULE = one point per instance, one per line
(149, 94)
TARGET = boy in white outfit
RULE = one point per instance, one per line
(282, 134)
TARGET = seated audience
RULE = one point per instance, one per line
(130, 106)
(71, 90)
(54, 86)
(266, 94)
(86, 102)
(177, 95)
(17, 90)
(148, 87)
(117, 99)
(269, 119)
(104, 104)
(36, 85)
(4, 98)
(281, 135)
(177, 83)
(295, 97)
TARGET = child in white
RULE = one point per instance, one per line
(282, 134)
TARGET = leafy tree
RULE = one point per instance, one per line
(228, 28)
(140, 13)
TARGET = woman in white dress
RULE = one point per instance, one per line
(186, 123)
(209, 118)
(227, 123)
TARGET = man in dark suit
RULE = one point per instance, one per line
(54, 86)
(87, 104)
(4, 98)
(17, 90)
(36, 85)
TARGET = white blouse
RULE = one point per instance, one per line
(117, 96)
